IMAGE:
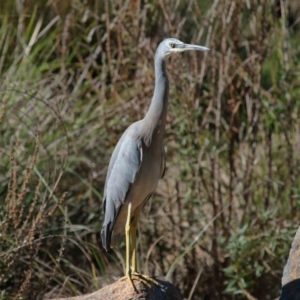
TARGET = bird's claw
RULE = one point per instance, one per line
(145, 279)
(129, 277)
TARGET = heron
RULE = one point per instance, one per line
(137, 163)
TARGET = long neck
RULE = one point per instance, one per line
(155, 118)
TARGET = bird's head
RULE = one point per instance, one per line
(171, 45)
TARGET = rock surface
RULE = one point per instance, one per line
(122, 290)
(292, 267)
(291, 274)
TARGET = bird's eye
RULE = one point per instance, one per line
(172, 45)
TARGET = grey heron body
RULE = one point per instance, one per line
(137, 162)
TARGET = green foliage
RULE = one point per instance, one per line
(74, 75)
(255, 255)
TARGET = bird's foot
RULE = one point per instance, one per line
(129, 277)
(145, 279)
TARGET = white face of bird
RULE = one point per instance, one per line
(171, 45)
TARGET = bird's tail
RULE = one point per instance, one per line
(110, 239)
(106, 237)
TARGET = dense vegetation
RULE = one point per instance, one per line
(74, 74)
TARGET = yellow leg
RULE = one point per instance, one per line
(144, 278)
(133, 245)
(127, 235)
(130, 233)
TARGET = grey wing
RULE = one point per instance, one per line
(123, 168)
(163, 162)
(110, 166)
